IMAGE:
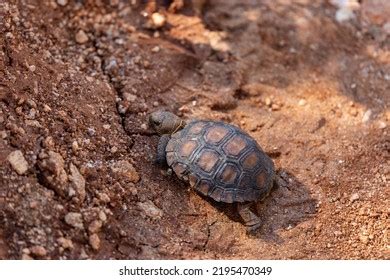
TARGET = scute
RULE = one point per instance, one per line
(196, 127)
(180, 169)
(207, 160)
(220, 161)
(228, 174)
(187, 148)
(216, 134)
(260, 178)
(204, 187)
(235, 145)
(250, 160)
(216, 194)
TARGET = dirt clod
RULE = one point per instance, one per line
(78, 182)
(38, 251)
(125, 169)
(65, 243)
(52, 166)
(94, 241)
(95, 226)
(81, 37)
(150, 209)
(75, 220)
(18, 162)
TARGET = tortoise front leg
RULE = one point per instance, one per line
(161, 153)
(251, 220)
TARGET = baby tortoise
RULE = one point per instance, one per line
(219, 160)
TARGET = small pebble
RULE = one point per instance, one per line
(125, 169)
(275, 107)
(156, 49)
(75, 146)
(353, 112)
(367, 116)
(302, 102)
(95, 226)
(18, 162)
(158, 20)
(65, 243)
(46, 108)
(38, 251)
(32, 68)
(91, 131)
(129, 97)
(26, 251)
(102, 216)
(104, 198)
(354, 197)
(382, 125)
(75, 220)
(62, 2)
(81, 37)
(94, 241)
(26, 257)
(150, 209)
(268, 101)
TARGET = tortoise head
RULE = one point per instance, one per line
(164, 122)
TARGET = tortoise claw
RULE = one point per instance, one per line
(251, 220)
(251, 229)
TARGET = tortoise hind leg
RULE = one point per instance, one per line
(251, 220)
(161, 153)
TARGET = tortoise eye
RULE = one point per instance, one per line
(156, 122)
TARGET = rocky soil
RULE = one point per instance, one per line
(309, 80)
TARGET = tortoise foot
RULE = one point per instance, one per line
(252, 228)
(251, 220)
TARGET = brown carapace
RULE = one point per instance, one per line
(220, 161)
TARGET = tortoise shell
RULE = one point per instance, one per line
(220, 161)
